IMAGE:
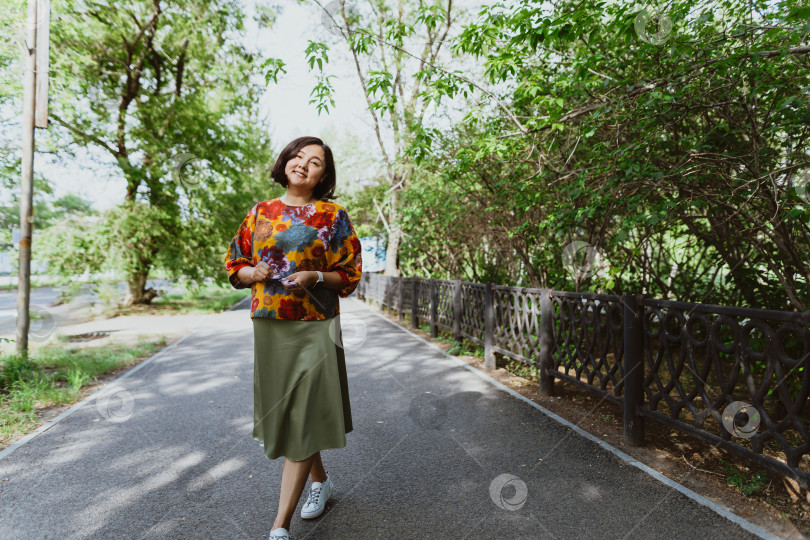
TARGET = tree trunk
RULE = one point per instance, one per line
(394, 236)
(137, 292)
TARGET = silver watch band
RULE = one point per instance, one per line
(320, 277)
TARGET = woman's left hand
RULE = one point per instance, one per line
(306, 279)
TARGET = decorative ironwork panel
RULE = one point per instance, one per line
(361, 285)
(379, 289)
(392, 292)
(383, 290)
(389, 291)
(365, 280)
(732, 372)
(517, 322)
(423, 292)
(405, 301)
(472, 311)
(376, 287)
(588, 340)
(445, 290)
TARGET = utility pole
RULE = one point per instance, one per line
(35, 111)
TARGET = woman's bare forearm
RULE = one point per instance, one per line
(245, 275)
(332, 280)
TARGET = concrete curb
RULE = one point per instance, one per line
(700, 499)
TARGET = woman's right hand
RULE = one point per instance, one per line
(261, 271)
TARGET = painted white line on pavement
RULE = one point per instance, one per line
(700, 499)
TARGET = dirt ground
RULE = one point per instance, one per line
(780, 507)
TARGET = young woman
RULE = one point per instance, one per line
(298, 253)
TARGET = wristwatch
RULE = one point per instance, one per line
(320, 277)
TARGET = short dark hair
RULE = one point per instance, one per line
(325, 190)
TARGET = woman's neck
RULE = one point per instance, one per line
(298, 199)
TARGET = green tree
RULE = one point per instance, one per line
(392, 78)
(166, 90)
(672, 139)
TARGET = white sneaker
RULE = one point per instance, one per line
(279, 534)
(319, 493)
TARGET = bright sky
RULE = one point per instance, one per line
(287, 103)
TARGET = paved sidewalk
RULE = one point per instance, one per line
(85, 307)
(436, 452)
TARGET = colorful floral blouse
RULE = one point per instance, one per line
(316, 236)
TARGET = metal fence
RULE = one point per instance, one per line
(734, 377)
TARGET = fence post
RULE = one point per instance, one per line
(400, 304)
(434, 308)
(392, 281)
(489, 328)
(414, 303)
(457, 307)
(373, 288)
(633, 335)
(546, 344)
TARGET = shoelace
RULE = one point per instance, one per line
(313, 495)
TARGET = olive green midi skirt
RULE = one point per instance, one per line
(300, 387)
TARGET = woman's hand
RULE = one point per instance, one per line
(305, 279)
(260, 271)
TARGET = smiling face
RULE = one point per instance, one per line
(306, 168)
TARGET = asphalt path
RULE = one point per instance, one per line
(436, 452)
(42, 298)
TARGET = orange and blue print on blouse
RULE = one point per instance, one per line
(317, 236)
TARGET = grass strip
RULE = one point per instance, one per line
(55, 375)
